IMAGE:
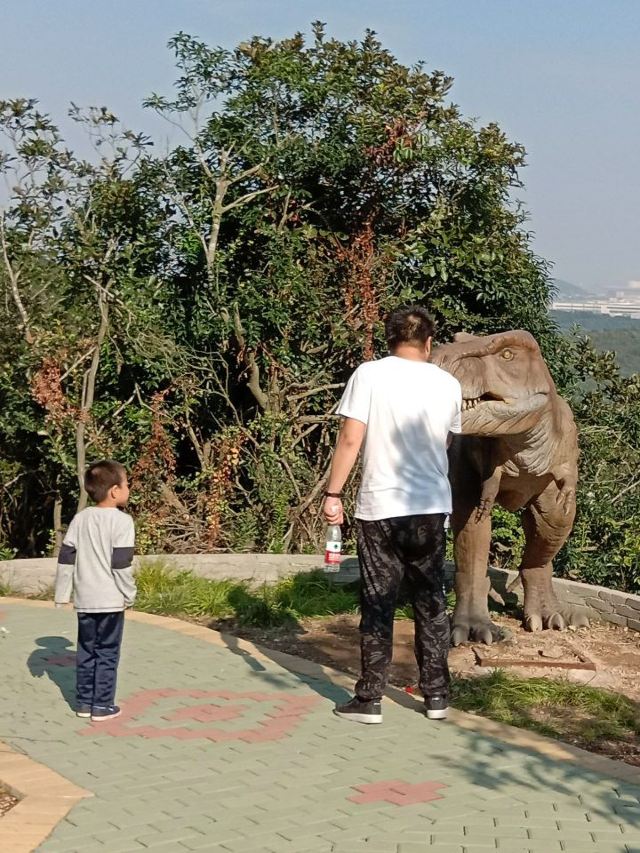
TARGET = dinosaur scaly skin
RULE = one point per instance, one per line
(518, 449)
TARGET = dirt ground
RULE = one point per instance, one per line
(614, 651)
(334, 641)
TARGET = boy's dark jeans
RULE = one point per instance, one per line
(410, 548)
(99, 640)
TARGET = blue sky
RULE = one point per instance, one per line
(560, 76)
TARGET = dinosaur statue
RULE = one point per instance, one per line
(518, 449)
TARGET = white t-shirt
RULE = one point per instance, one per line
(409, 407)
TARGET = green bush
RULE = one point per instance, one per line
(507, 540)
(604, 547)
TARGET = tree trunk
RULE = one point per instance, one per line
(57, 525)
(13, 281)
(88, 394)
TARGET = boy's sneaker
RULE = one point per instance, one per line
(99, 713)
(83, 711)
(360, 711)
(436, 707)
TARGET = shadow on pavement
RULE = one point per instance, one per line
(322, 686)
(55, 657)
(533, 778)
(259, 609)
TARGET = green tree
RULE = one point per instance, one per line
(79, 248)
(320, 184)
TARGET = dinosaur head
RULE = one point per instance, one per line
(505, 383)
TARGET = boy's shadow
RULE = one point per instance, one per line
(54, 657)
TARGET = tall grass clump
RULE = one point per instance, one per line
(553, 708)
(174, 593)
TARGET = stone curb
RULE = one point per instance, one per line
(45, 799)
(548, 747)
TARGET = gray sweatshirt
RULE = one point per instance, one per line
(95, 561)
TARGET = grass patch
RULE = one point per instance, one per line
(46, 593)
(308, 594)
(175, 593)
(554, 708)
(9, 591)
(405, 610)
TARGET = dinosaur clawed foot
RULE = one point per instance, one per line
(480, 630)
(534, 622)
(554, 619)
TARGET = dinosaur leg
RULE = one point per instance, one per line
(471, 546)
(488, 495)
(546, 523)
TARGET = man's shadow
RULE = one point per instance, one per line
(245, 601)
(54, 658)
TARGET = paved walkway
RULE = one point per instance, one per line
(226, 750)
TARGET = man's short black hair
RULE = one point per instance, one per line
(411, 324)
(102, 476)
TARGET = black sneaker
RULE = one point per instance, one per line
(436, 707)
(99, 713)
(360, 711)
(83, 710)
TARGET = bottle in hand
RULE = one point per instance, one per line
(333, 550)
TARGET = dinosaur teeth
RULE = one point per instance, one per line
(470, 403)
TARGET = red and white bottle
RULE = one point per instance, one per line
(333, 549)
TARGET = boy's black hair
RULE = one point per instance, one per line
(411, 324)
(102, 476)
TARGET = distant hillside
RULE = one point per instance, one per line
(567, 292)
(626, 345)
(620, 334)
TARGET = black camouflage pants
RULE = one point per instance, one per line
(409, 548)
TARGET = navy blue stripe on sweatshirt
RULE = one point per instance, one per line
(121, 558)
(67, 555)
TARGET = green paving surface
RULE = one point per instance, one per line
(224, 752)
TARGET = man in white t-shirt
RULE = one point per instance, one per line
(404, 410)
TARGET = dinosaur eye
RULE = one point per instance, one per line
(507, 354)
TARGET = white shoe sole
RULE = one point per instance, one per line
(440, 714)
(83, 713)
(105, 718)
(367, 719)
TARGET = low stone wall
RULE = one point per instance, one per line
(619, 608)
(608, 605)
(31, 577)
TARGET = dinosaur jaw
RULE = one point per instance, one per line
(490, 414)
(472, 403)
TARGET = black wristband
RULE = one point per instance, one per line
(333, 494)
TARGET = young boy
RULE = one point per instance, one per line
(95, 562)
